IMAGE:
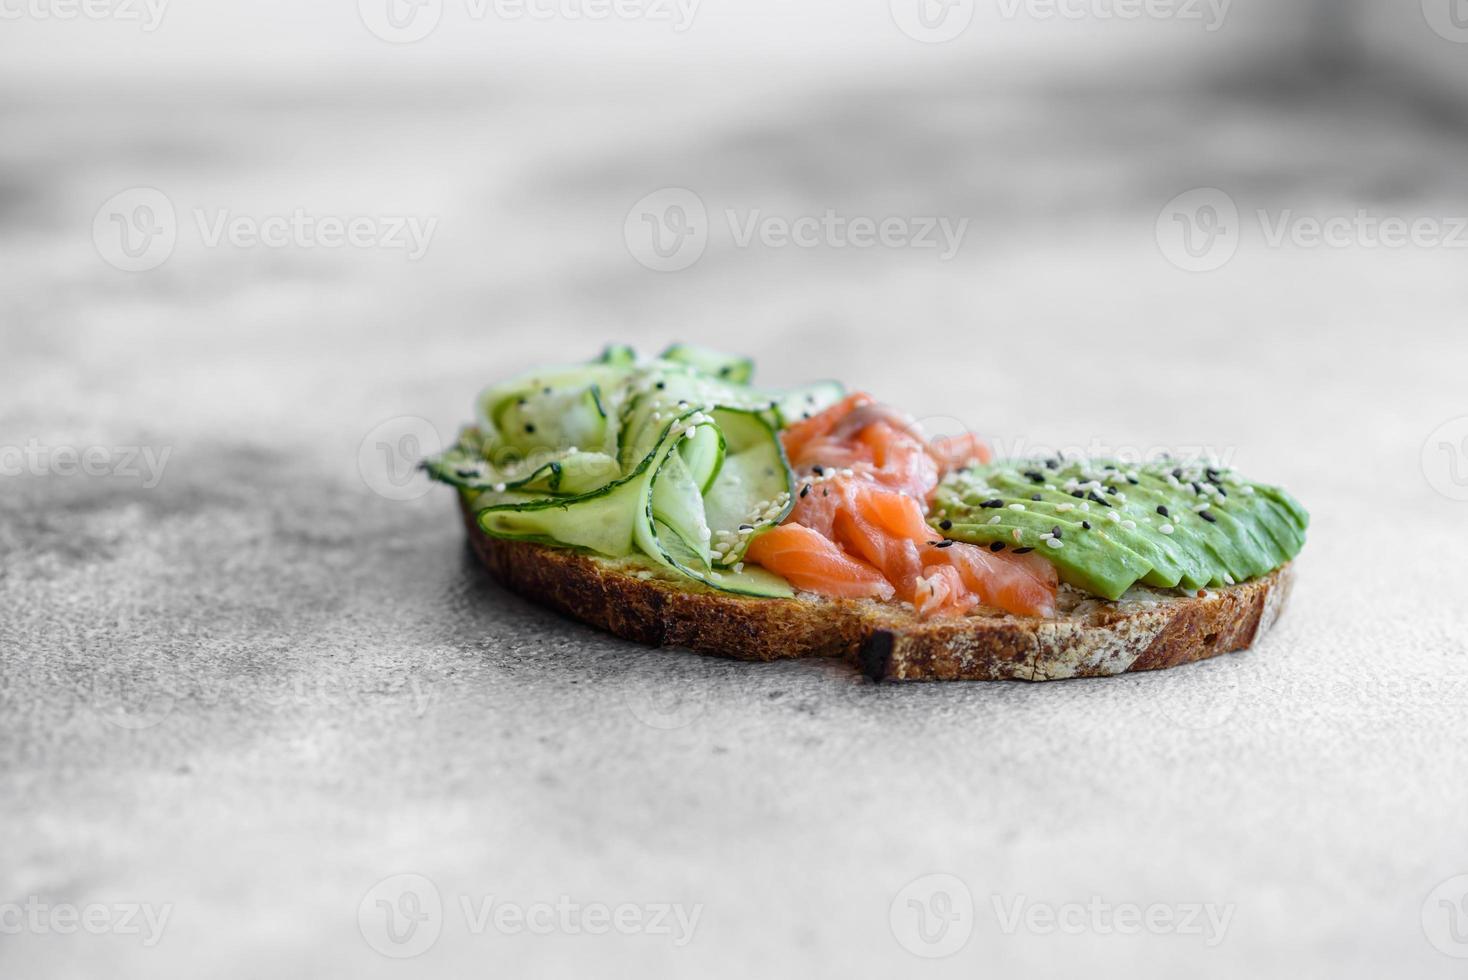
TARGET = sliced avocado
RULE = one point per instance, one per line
(1107, 525)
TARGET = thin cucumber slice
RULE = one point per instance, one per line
(716, 364)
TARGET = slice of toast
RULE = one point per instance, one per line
(1147, 629)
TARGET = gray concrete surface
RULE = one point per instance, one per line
(247, 696)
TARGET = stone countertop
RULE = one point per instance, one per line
(249, 694)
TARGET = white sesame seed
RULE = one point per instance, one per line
(1016, 506)
(1129, 525)
(1165, 529)
(1055, 543)
(1113, 517)
(995, 520)
(1064, 508)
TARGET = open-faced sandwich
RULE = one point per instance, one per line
(671, 502)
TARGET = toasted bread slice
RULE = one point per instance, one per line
(1147, 629)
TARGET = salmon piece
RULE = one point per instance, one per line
(898, 559)
(1020, 584)
(955, 451)
(943, 592)
(809, 560)
(860, 529)
(796, 436)
(897, 514)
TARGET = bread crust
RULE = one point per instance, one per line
(1146, 630)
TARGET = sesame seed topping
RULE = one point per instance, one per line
(1086, 525)
(992, 503)
(805, 490)
(946, 524)
(943, 544)
(995, 520)
(1165, 529)
(1016, 506)
(1055, 543)
(1163, 511)
(1207, 517)
(997, 546)
(1023, 551)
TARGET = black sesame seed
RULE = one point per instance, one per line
(818, 471)
(1078, 495)
(1177, 474)
(1111, 489)
(992, 504)
(1036, 496)
(746, 527)
(1198, 489)
(1086, 525)
(944, 544)
(661, 385)
(1163, 511)
(1092, 495)
(997, 546)
(1207, 517)
(466, 474)
(825, 491)
(805, 490)
(1023, 551)
(529, 427)
(1034, 477)
(1133, 481)
(1055, 530)
(946, 524)
(1221, 492)
(1052, 464)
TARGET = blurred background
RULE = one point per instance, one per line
(246, 246)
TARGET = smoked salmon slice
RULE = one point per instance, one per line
(859, 528)
(809, 560)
